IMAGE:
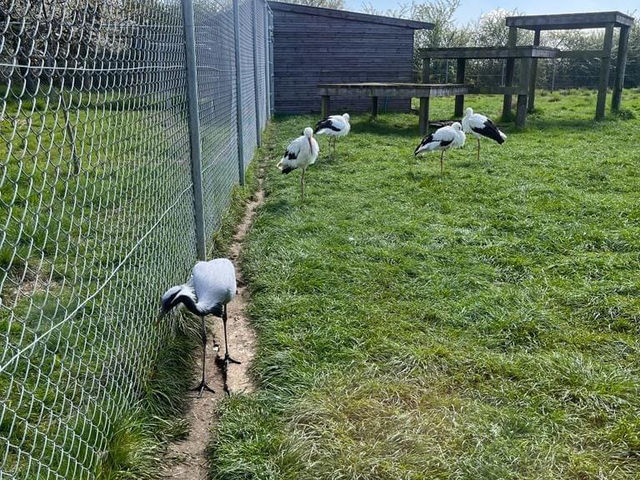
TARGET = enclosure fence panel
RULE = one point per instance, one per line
(97, 205)
(247, 79)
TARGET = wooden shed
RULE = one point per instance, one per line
(313, 46)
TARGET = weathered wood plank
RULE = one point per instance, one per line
(510, 68)
(459, 103)
(621, 65)
(521, 107)
(325, 105)
(580, 54)
(605, 61)
(393, 90)
(426, 70)
(534, 74)
(495, 90)
(345, 15)
(570, 21)
(423, 122)
(490, 52)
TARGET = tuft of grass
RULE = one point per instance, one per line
(132, 449)
(137, 436)
(477, 324)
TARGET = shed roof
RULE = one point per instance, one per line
(345, 15)
(570, 21)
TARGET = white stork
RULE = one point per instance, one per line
(300, 153)
(442, 139)
(211, 287)
(335, 126)
(481, 126)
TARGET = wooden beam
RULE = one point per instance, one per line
(424, 115)
(580, 54)
(570, 21)
(521, 111)
(426, 69)
(510, 51)
(534, 74)
(521, 108)
(462, 63)
(325, 106)
(508, 82)
(605, 62)
(352, 16)
(621, 65)
(490, 90)
(402, 90)
(374, 107)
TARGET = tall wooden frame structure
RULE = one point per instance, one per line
(576, 21)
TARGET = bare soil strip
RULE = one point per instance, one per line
(187, 459)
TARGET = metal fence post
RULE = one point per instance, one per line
(272, 98)
(254, 30)
(236, 36)
(194, 125)
(267, 82)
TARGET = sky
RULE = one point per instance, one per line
(472, 9)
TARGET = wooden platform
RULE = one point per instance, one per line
(532, 51)
(408, 90)
(566, 21)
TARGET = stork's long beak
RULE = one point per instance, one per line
(310, 145)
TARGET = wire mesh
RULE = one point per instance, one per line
(247, 79)
(97, 208)
(216, 92)
(260, 50)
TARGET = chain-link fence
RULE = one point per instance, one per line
(99, 201)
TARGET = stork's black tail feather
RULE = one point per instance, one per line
(490, 130)
(326, 123)
(287, 169)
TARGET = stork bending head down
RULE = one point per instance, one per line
(211, 287)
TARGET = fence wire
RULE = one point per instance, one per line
(97, 205)
(247, 79)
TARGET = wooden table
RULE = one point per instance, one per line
(408, 90)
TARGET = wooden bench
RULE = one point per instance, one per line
(408, 90)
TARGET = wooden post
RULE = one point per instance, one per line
(374, 107)
(506, 102)
(460, 79)
(424, 115)
(325, 106)
(621, 66)
(521, 111)
(521, 108)
(534, 74)
(426, 70)
(605, 61)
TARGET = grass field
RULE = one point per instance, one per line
(482, 324)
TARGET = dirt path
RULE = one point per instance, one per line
(187, 459)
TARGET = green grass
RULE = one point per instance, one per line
(482, 324)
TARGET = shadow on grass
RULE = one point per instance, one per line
(382, 126)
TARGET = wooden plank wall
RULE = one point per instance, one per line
(309, 50)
